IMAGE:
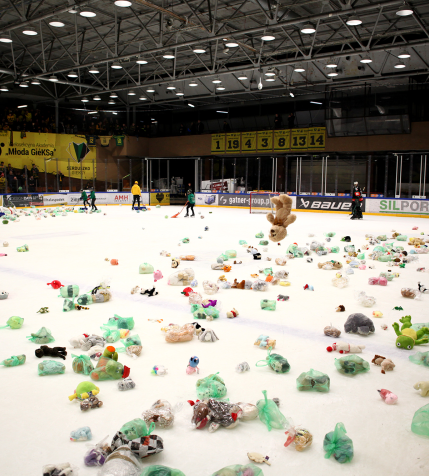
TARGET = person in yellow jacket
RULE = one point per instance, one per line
(135, 190)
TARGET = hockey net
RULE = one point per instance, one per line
(260, 202)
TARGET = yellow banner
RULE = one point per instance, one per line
(248, 142)
(281, 140)
(265, 141)
(233, 143)
(316, 137)
(159, 198)
(45, 150)
(299, 139)
(218, 144)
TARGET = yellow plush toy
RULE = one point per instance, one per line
(283, 217)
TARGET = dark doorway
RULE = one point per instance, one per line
(182, 172)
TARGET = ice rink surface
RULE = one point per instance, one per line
(37, 417)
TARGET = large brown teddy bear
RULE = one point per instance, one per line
(283, 218)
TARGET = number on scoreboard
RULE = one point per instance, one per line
(233, 142)
(299, 139)
(218, 144)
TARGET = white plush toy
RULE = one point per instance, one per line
(78, 341)
(344, 348)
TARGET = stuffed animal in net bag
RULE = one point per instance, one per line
(283, 217)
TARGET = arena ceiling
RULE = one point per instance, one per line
(163, 52)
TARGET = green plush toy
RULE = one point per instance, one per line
(85, 390)
(408, 337)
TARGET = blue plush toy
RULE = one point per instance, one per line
(81, 434)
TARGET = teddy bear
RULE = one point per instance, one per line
(340, 308)
(423, 387)
(238, 285)
(283, 217)
(386, 364)
(51, 352)
(233, 313)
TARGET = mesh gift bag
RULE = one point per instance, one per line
(141, 447)
(118, 322)
(14, 322)
(146, 268)
(70, 291)
(351, 365)
(132, 340)
(136, 429)
(298, 436)
(42, 336)
(276, 362)
(68, 305)
(109, 369)
(338, 444)
(111, 335)
(231, 253)
(211, 387)
(402, 238)
(313, 380)
(158, 470)
(122, 462)
(270, 414)
(239, 470)
(420, 358)
(268, 305)
(50, 367)
(14, 361)
(82, 364)
(420, 423)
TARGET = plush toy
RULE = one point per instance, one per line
(330, 265)
(81, 434)
(233, 313)
(242, 367)
(51, 352)
(187, 291)
(42, 336)
(358, 323)
(208, 335)
(258, 458)
(377, 314)
(386, 364)
(63, 469)
(344, 348)
(85, 390)
(175, 262)
(282, 219)
(157, 275)
(423, 387)
(90, 402)
(193, 365)
(388, 397)
(331, 331)
(408, 337)
(264, 342)
(281, 297)
(340, 308)
(238, 285)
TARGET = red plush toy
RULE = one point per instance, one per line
(56, 284)
(187, 291)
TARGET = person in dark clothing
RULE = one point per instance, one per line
(278, 121)
(60, 179)
(226, 127)
(181, 130)
(92, 197)
(31, 184)
(189, 191)
(357, 201)
(193, 128)
(200, 127)
(35, 172)
(11, 181)
(190, 204)
(291, 120)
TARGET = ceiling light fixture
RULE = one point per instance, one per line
(53, 78)
(193, 84)
(190, 105)
(291, 94)
(198, 49)
(97, 98)
(35, 81)
(72, 74)
(143, 98)
(179, 93)
(242, 77)
(171, 87)
(4, 89)
(85, 99)
(270, 72)
(271, 78)
(308, 29)
(24, 84)
(231, 44)
(23, 105)
(315, 102)
(131, 93)
(268, 36)
(111, 102)
(113, 95)
(299, 69)
(405, 10)
(222, 112)
(150, 90)
(141, 60)
(123, 3)
(93, 70)
(5, 39)
(87, 13)
(56, 23)
(168, 55)
(404, 54)
(354, 21)
(331, 64)
(333, 74)
(29, 31)
(216, 81)
(116, 65)
(74, 10)
(220, 88)
(399, 65)
(365, 59)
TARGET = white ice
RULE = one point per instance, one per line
(37, 417)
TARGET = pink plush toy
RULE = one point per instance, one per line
(157, 275)
(388, 397)
(344, 348)
(362, 266)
